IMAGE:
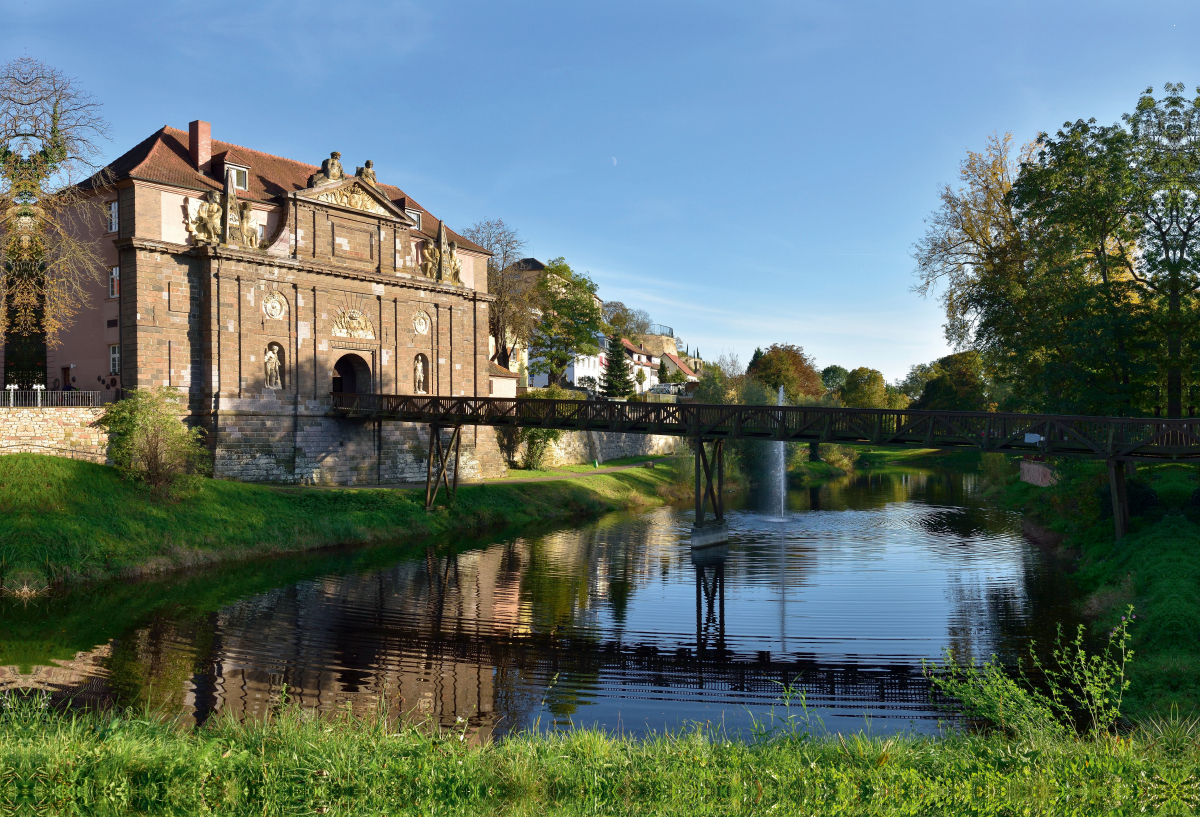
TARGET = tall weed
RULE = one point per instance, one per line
(1079, 686)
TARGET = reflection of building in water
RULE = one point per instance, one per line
(410, 639)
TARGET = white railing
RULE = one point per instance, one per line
(44, 398)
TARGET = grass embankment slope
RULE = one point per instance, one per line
(297, 764)
(1156, 568)
(69, 520)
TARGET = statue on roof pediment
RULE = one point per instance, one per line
(331, 171)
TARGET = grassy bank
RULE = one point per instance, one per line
(66, 520)
(296, 764)
(1154, 568)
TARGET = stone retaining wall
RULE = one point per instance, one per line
(276, 441)
(1038, 473)
(61, 432)
(577, 447)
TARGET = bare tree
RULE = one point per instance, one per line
(50, 134)
(511, 317)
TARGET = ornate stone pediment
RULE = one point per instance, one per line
(356, 193)
(356, 198)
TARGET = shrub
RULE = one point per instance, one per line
(538, 440)
(997, 469)
(1080, 687)
(149, 443)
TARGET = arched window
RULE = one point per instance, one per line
(420, 375)
(351, 375)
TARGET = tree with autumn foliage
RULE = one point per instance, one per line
(784, 364)
(50, 174)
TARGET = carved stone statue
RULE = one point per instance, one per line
(205, 227)
(431, 260)
(331, 171)
(451, 265)
(367, 173)
(271, 362)
(419, 384)
(247, 230)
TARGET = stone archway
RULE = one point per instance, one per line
(352, 375)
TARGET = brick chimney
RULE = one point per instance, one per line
(200, 143)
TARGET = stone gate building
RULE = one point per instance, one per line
(258, 285)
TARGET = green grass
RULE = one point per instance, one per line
(67, 520)
(1154, 567)
(296, 763)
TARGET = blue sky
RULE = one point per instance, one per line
(748, 173)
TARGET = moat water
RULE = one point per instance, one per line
(616, 623)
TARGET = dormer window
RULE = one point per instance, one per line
(415, 215)
(241, 176)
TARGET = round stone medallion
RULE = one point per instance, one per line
(274, 306)
(421, 323)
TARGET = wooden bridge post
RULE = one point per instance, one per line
(716, 532)
(1120, 498)
(434, 481)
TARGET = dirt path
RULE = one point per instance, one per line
(500, 481)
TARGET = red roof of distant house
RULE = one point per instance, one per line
(165, 157)
(496, 370)
(683, 367)
(633, 347)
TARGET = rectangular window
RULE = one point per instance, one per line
(241, 177)
(114, 282)
(114, 359)
(113, 220)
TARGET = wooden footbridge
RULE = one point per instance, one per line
(1116, 440)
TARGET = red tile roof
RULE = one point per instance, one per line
(683, 367)
(165, 157)
(633, 347)
(496, 370)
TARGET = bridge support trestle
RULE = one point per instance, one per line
(433, 481)
(710, 485)
(1120, 498)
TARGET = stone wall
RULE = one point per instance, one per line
(264, 441)
(577, 447)
(62, 432)
(274, 441)
(1038, 473)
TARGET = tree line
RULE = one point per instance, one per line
(1070, 267)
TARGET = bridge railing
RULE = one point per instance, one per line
(1120, 437)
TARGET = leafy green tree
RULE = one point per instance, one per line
(1077, 278)
(956, 383)
(148, 442)
(640, 377)
(664, 375)
(864, 388)
(570, 321)
(616, 381)
(784, 364)
(833, 378)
